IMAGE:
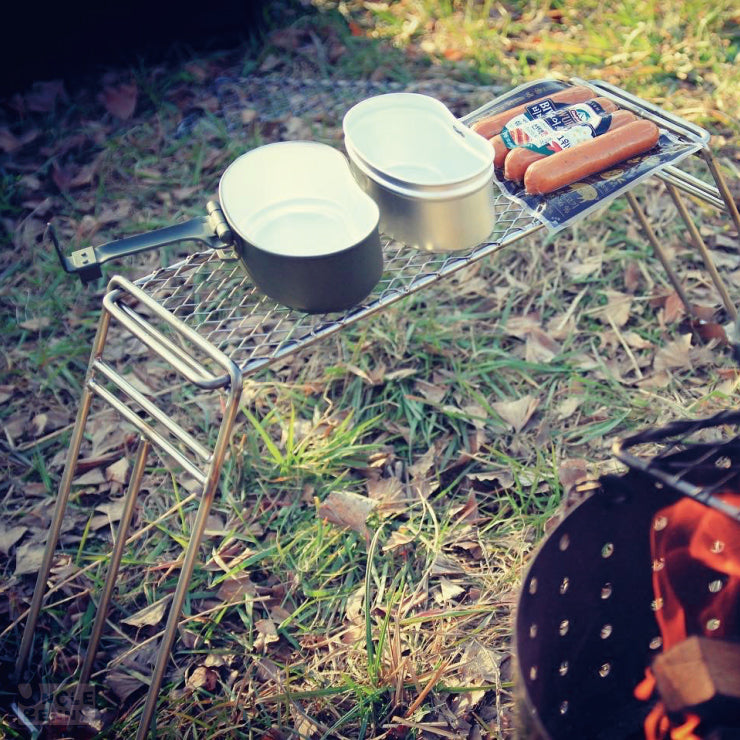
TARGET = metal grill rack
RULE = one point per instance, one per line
(205, 319)
(696, 458)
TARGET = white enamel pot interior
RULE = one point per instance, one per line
(431, 176)
(307, 234)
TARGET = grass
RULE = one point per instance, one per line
(307, 618)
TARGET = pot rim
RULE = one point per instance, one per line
(463, 136)
(356, 212)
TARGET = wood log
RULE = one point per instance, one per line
(701, 675)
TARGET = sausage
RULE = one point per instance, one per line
(589, 157)
(518, 159)
(492, 125)
(500, 149)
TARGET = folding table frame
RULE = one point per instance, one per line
(205, 305)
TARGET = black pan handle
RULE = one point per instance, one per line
(211, 230)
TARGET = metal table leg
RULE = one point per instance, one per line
(230, 381)
(662, 256)
(61, 503)
(110, 580)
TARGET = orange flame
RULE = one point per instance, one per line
(696, 585)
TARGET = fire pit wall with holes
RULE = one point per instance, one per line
(628, 622)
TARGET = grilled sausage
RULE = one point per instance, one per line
(518, 160)
(590, 157)
(492, 125)
(500, 150)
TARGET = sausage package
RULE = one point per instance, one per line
(545, 127)
(548, 127)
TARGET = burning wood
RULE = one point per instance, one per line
(702, 675)
(696, 585)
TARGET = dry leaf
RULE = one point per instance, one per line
(267, 634)
(675, 355)
(635, 341)
(399, 538)
(354, 610)
(431, 392)
(517, 413)
(448, 591)
(565, 409)
(480, 664)
(617, 309)
(520, 326)
(118, 471)
(123, 684)
(150, 615)
(347, 509)
(390, 494)
(540, 347)
(673, 309)
(8, 537)
(235, 589)
(35, 324)
(120, 101)
(572, 471)
(110, 513)
(445, 565)
(202, 678)
(7, 392)
(632, 276)
(93, 477)
(28, 558)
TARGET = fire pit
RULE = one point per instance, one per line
(628, 623)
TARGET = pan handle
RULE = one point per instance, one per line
(211, 230)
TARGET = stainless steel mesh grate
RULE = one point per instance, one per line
(216, 298)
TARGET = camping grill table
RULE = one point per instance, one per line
(207, 303)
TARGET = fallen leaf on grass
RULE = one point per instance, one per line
(673, 309)
(110, 513)
(8, 537)
(235, 589)
(354, 608)
(267, 634)
(35, 324)
(617, 309)
(430, 391)
(635, 341)
(123, 684)
(517, 413)
(93, 477)
(445, 565)
(632, 276)
(390, 495)
(347, 509)
(565, 409)
(202, 678)
(572, 471)
(120, 101)
(448, 591)
(118, 471)
(28, 558)
(399, 538)
(675, 355)
(148, 616)
(540, 346)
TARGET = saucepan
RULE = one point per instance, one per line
(304, 230)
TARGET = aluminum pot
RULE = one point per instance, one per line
(431, 176)
(305, 232)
